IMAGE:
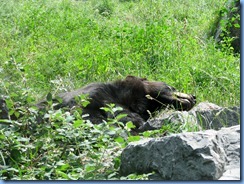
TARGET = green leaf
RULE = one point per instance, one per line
(17, 114)
(5, 121)
(146, 134)
(62, 174)
(85, 103)
(115, 109)
(15, 154)
(2, 136)
(120, 116)
(64, 167)
(130, 125)
(90, 167)
(9, 103)
(133, 138)
(59, 99)
(237, 25)
(29, 99)
(49, 97)
(119, 139)
(78, 123)
(106, 109)
(117, 162)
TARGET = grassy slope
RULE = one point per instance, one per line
(60, 45)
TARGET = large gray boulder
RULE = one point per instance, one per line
(232, 150)
(205, 155)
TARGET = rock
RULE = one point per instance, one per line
(203, 116)
(205, 106)
(205, 155)
(232, 149)
(180, 118)
(210, 116)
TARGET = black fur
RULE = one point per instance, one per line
(137, 97)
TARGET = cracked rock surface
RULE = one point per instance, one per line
(203, 116)
(207, 155)
(213, 154)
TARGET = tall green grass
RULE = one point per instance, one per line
(63, 44)
(53, 46)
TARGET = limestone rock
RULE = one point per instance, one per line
(205, 155)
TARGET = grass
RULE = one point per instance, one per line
(61, 45)
(55, 46)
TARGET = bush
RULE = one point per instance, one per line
(62, 146)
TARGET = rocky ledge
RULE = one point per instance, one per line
(212, 154)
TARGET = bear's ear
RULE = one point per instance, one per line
(131, 77)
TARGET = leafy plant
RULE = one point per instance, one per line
(63, 145)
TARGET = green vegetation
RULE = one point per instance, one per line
(55, 46)
(60, 45)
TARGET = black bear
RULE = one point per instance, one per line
(137, 96)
